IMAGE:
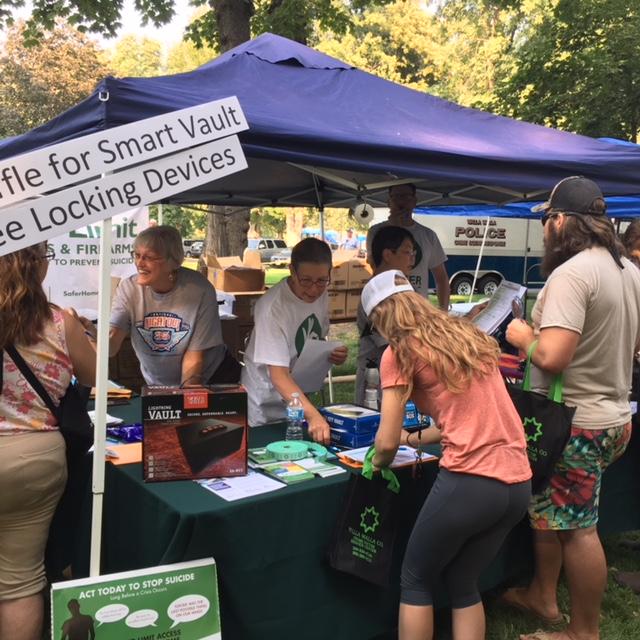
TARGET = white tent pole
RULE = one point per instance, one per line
(160, 214)
(526, 255)
(322, 223)
(475, 275)
(102, 377)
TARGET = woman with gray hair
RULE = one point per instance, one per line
(171, 314)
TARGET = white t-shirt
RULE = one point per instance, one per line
(283, 323)
(430, 253)
(591, 295)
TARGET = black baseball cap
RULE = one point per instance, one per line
(575, 194)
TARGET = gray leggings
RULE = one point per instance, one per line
(459, 530)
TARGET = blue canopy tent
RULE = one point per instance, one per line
(617, 207)
(324, 133)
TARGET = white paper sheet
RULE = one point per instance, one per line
(313, 364)
(231, 489)
(499, 307)
(404, 456)
(112, 421)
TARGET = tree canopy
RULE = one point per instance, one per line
(39, 82)
(576, 67)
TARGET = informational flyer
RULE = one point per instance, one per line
(500, 306)
(177, 601)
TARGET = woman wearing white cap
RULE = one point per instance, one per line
(449, 369)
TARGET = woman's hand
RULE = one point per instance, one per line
(338, 355)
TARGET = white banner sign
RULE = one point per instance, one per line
(77, 160)
(53, 215)
(73, 275)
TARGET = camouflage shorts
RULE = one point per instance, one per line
(572, 497)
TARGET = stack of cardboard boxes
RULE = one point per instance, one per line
(245, 280)
(348, 276)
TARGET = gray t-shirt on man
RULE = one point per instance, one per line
(591, 295)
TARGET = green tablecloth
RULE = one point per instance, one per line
(271, 549)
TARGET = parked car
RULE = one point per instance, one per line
(195, 249)
(272, 250)
(186, 244)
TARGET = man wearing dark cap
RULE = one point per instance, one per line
(586, 325)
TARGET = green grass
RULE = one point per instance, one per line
(273, 275)
(620, 619)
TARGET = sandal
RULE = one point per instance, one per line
(510, 598)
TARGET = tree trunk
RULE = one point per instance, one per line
(227, 226)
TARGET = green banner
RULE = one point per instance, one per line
(177, 601)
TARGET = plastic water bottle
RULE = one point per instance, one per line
(371, 386)
(295, 418)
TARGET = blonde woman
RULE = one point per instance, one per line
(449, 369)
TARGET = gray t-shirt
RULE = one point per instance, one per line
(430, 253)
(163, 326)
(371, 347)
(283, 323)
(591, 295)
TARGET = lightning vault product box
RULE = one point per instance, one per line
(194, 433)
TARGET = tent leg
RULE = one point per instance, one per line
(102, 379)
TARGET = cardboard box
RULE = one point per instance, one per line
(359, 274)
(194, 433)
(340, 269)
(244, 303)
(351, 425)
(231, 274)
(337, 304)
(352, 303)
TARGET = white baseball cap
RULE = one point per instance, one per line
(382, 286)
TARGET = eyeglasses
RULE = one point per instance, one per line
(143, 257)
(49, 254)
(307, 283)
(547, 216)
(407, 252)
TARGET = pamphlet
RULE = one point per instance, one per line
(320, 468)
(287, 471)
(499, 307)
(238, 487)
(404, 457)
(312, 365)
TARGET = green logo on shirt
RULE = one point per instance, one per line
(309, 330)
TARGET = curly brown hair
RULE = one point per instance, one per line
(418, 332)
(24, 308)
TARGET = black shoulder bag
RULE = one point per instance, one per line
(547, 424)
(73, 420)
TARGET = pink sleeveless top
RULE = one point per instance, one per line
(21, 408)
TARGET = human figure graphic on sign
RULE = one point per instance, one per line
(79, 626)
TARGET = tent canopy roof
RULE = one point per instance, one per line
(323, 133)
